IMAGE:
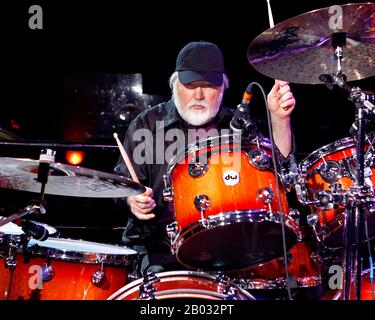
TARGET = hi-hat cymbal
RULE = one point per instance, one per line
(299, 49)
(65, 180)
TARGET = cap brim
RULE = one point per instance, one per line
(189, 76)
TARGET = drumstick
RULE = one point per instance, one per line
(126, 158)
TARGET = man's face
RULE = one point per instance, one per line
(198, 102)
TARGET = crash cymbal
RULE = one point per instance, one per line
(65, 180)
(299, 49)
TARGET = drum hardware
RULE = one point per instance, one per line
(172, 229)
(201, 203)
(48, 272)
(182, 284)
(360, 193)
(259, 158)
(167, 191)
(147, 288)
(98, 276)
(265, 195)
(10, 262)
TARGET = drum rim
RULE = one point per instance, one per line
(327, 149)
(227, 218)
(119, 294)
(40, 249)
(231, 138)
(277, 283)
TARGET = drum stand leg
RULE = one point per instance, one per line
(355, 207)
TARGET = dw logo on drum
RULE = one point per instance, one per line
(231, 177)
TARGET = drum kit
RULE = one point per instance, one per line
(234, 230)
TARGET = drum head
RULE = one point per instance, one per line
(235, 246)
(82, 251)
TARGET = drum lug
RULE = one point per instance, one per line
(265, 195)
(147, 289)
(312, 219)
(227, 287)
(172, 230)
(10, 262)
(202, 202)
(197, 169)
(135, 274)
(167, 191)
(48, 272)
(98, 278)
(259, 159)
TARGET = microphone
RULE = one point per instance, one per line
(241, 121)
(34, 230)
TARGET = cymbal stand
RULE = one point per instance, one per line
(47, 156)
(356, 200)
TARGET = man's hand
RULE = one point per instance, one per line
(142, 205)
(280, 100)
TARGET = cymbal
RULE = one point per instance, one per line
(8, 136)
(299, 49)
(65, 180)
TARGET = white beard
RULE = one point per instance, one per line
(197, 117)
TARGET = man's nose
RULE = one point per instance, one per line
(198, 93)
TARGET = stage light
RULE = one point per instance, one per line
(74, 157)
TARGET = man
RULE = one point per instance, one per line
(198, 85)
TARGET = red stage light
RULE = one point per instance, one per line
(74, 157)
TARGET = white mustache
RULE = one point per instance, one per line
(198, 103)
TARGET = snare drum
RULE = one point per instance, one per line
(10, 238)
(181, 284)
(64, 269)
(226, 205)
(335, 163)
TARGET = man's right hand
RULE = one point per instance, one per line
(142, 205)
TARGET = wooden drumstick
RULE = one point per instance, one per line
(126, 158)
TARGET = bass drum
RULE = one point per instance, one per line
(182, 284)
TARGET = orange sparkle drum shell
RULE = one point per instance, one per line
(304, 270)
(238, 228)
(181, 284)
(340, 156)
(74, 262)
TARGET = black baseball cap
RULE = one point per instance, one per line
(200, 61)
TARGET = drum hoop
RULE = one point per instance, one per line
(177, 275)
(227, 218)
(69, 255)
(279, 283)
(316, 155)
(229, 139)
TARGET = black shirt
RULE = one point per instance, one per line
(158, 124)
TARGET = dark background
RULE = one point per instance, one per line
(84, 44)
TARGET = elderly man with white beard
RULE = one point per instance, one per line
(198, 85)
